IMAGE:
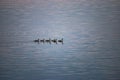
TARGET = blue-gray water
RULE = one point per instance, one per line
(90, 28)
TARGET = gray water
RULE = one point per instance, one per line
(90, 29)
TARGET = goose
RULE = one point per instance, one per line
(36, 40)
(48, 41)
(54, 40)
(43, 40)
(61, 41)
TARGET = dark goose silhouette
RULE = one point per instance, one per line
(61, 41)
(36, 40)
(54, 40)
(43, 40)
(48, 41)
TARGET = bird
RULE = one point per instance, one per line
(48, 41)
(37, 40)
(43, 40)
(54, 41)
(61, 41)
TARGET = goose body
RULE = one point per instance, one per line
(54, 40)
(43, 40)
(36, 40)
(48, 41)
(61, 41)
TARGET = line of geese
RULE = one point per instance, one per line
(49, 40)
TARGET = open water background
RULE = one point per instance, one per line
(91, 32)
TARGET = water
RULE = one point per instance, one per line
(90, 29)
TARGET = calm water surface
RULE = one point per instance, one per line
(90, 28)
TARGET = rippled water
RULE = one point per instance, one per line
(90, 29)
